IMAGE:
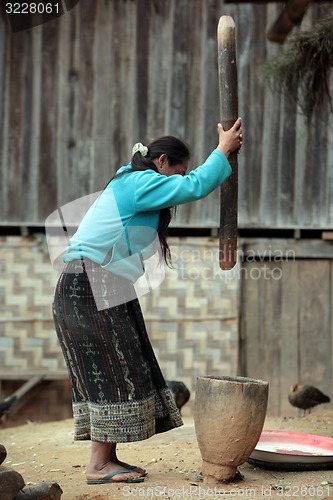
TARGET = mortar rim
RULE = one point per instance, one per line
(234, 379)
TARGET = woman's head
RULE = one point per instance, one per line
(166, 155)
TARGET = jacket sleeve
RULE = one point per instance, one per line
(155, 191)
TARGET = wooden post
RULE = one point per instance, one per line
(229, 113)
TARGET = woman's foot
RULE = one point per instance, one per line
(139, 470)
(114, 459)
(99, 472)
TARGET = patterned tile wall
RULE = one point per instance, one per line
(192, 317)
(28, 343)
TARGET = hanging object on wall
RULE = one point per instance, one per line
(227, 66)
(291, 16)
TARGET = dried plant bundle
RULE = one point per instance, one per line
(302, 71)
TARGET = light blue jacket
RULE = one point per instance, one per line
(119, 229)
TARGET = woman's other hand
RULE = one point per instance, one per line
(230, 140)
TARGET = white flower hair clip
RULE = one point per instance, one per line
(141, 148)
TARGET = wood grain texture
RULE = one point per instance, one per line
(78, 92)
(315, 324)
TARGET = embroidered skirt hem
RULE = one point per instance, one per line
(125, 422)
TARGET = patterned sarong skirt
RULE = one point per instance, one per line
(118, 391)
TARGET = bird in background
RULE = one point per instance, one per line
(306, 397)
(180, 392)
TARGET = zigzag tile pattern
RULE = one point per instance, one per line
(27, 339)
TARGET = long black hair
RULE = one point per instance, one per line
(177, 152)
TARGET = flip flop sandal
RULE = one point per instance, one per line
(107, 479)
(133, 467)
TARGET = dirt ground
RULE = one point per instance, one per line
(46, 451)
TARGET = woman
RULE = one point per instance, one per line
(119, 393)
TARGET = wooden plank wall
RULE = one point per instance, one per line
(287, 326)
(77, 92)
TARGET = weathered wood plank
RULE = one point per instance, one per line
(331, 306)
(251, 313)
(251, 104)
(4, 125)
(68, 99)
(178, 97)
(268, 195)
(87, 78)
(159, 80)
(102, 166)
(285, 156)
(122, 79)
(329, 195)
(315, 176)
(141, 49)
(289, 324)
(285, 248)
(28, 178)
(271, 342)
(315, 324)
(33, 132)
(48, 165)
(15, 96)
